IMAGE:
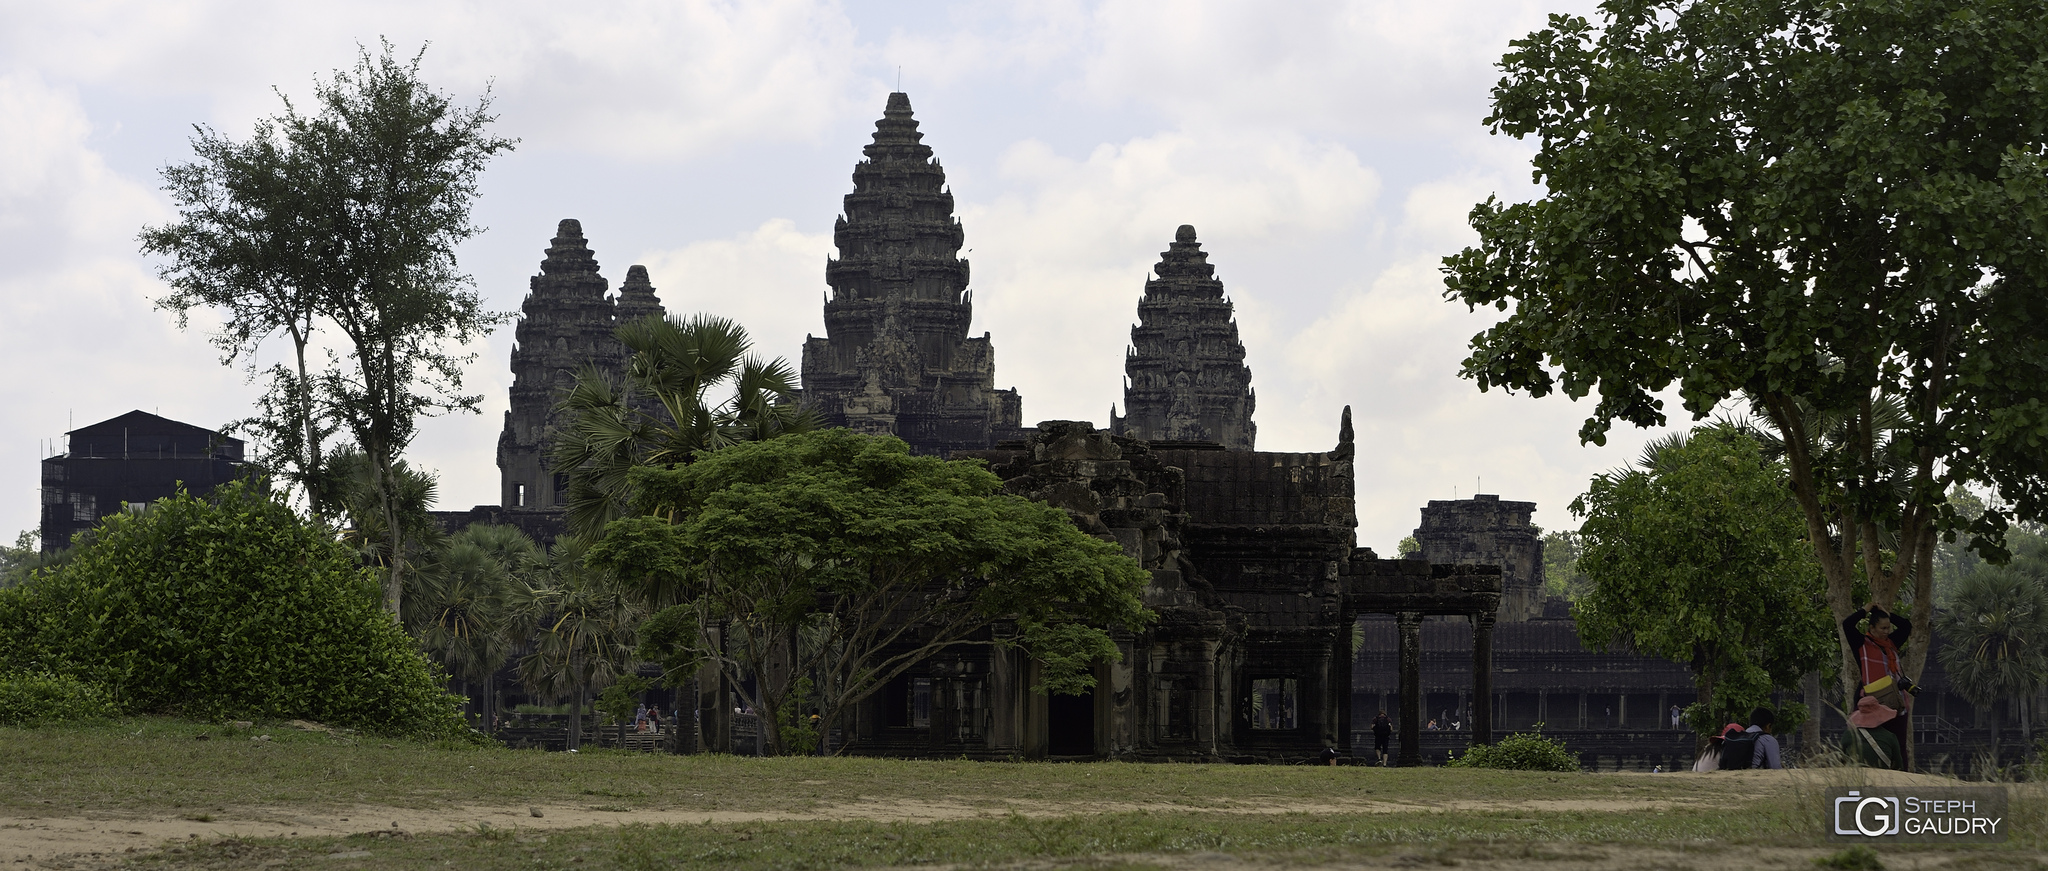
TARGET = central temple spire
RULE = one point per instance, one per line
(895, 357)
(1186, 375)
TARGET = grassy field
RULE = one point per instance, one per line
(311, 799)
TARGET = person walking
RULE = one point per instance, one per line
(1382, 732)
(1877, 655)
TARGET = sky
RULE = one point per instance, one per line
(1326, 152)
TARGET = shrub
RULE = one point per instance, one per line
(28, 698)
(229, 607)
(1522, 751)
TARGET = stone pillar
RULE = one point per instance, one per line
(1410, 624)
(1482, 678)
(1346, 658)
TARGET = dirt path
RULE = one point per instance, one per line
(28, 839)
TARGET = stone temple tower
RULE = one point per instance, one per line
(896, 357)
(1185, 373)
(565, 323)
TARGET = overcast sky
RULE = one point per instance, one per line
(1326, 152)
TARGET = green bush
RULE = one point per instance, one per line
(28, 698)
(1522, 751)
(229, 607)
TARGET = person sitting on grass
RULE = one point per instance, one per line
(1766, 753)
(1868, 742)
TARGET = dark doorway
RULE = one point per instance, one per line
(1070, 725)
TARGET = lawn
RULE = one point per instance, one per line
(185, 794)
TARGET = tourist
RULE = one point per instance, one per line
(1382, 732)
(1868, 741)
(1877, 652)
(1677, 716)
(1432, 725)
(1765, 755)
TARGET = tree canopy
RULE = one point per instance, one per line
(1830, 208)
(1698, 555)
(343, 220)
(674, 403)
(854, 560)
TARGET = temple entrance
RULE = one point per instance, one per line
(1070, 725)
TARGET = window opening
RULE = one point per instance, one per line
(1273, 703)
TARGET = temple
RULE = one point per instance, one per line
(1184, 374)
(1278, 636)
(566, 323)
(896, 358)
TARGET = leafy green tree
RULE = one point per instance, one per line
(1409, 545)
(586, 624)
(840, 558)
(20, 562)
(1829, 207)
(230, 606)
(666, 410)
(460, 604)
(346, 219)
(1698, 555)
(1561, 575)
(1995, 639)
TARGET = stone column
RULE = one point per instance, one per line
(1346, 658)
(1482, 678)
(1410, 624)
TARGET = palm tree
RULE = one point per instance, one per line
(1996, 627)
(586, 629)
(673, 403)
(458, 607)
(354, 477)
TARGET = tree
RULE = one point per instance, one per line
(664, 412)
(586, 624)
(1831, 209)
(1561, 576)
(878, 558)
(345, 219)
(1995, 639)
(1698, 555)
(459, 606)
(247, 243)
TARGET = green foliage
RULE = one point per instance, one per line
(459, 605)
(31, 698)
(1522, 751)
(823, 540)
(1699, 557)
(20, 562)
(1561, 576)
(1995, 637)
(618, 701)
(1832, 210)
(664, 414)
(226, 607)
(1409, 545)
(345, 220)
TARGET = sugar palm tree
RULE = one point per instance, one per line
(1995, 632)
(689, 386)
(586, 627)
(458, 604)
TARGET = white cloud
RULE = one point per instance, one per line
(771, 280)
(81, 340)
(1061, 259)
(1383, 69)
(648, 79)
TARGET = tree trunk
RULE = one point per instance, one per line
(576, 707)
(1996, 721)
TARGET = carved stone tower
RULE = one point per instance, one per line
(1484, 530)
(1185, 373)
(895, 357)
(566, 322)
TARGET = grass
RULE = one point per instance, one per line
(1095, 816)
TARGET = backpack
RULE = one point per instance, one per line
(1737, 751)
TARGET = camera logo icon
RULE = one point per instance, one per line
(1871, 816)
